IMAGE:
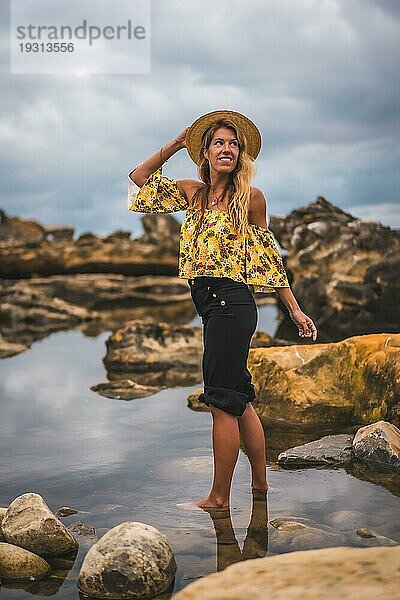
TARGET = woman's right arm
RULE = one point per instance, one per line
(154, 162)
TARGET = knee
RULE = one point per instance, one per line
(221, 414)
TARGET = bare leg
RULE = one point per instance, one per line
(226, 443)
(253, 438)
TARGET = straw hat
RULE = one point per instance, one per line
(197, 128)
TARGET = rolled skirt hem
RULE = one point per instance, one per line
(228, 400)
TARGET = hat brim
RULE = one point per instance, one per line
(198, 127)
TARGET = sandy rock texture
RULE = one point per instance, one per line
(332, 574)
(356, 381)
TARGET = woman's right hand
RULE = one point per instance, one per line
(181, 138)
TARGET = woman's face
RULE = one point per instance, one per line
(223, 151)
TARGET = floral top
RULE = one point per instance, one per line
(218, 251)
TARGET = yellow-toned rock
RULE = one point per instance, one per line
(331, 574)
(353, 381)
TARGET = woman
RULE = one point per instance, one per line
(226, 252)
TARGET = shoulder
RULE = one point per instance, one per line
(257, 200)
(258, 208)
(188, 187)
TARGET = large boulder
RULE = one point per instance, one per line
(132, 560)
(378, 446)
(355, 381)
(30, 524)
(343, 271)
(18, 563)
(332, 574)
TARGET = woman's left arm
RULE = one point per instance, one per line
(304, 324)
(258, 216)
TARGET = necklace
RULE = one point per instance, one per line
(215, 199)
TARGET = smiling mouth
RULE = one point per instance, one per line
(225, 159)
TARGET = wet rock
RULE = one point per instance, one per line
(327, 451)
(287, 525)
(291, 538)
(66, 511)
(365, 537)
(94, 302)
(333, 573)
(125, 389)
(18, 563)
(378, 446)
(10, 348)
(80, 528)
(30, 524)
(155, 355)
(328, 385)
(350, 520)
(28, 315)
(343, 271)
(86, 533)
(132, 560)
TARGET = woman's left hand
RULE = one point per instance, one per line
(304, 324)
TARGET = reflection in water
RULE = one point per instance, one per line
(133, 461)
(60, 565)
(256, 542)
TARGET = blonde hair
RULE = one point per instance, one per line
(239, 182)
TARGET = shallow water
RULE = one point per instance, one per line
(122, 461)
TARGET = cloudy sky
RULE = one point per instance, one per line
(319, 78)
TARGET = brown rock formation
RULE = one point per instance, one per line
(344, 271)
(28, 248)
(141, 356)
(356, 381)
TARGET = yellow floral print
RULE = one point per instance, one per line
(218, 251)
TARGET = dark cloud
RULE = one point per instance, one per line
(318, 78)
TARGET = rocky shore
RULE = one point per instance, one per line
(342, 393)
(341, 268)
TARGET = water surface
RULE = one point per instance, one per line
(122, 461)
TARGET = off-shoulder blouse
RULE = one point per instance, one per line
(218, 251)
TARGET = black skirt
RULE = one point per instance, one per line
(229, 315)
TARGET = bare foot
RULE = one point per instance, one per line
(206, 504)
(260, 488)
